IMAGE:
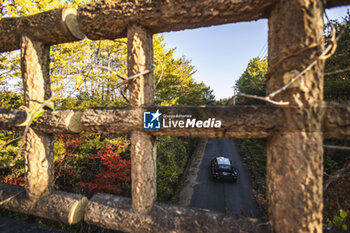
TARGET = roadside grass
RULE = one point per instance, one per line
(257, 149)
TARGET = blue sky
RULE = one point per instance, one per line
(220, 54)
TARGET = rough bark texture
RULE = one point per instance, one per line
(64, 121)
(237, 121)
(123, 120)
(110, 19)
(9, 119)
(38, 146)
(143, 148)
(143, 171)
(116, 213)
(50, 27)
(295, 159)
(336, 121)
(140, 58)
(59, 206)
(334, 3)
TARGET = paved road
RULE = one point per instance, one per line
(219, 195)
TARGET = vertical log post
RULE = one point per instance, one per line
(295, 159)
(35, 58)
(143, 150)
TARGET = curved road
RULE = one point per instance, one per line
(223, 196)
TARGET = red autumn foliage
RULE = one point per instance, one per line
(118, 171)
(16, 181)
(71, 141)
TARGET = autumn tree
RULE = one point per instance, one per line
(252, 81)
(101, 67)
(337, 78)
(337, 162)
(336, 88)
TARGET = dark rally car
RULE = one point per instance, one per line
(221, 168)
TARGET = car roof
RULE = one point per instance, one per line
(223, 160)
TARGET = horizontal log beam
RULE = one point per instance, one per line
(110, 19)
(336, 120)
(50, 27)
(59, 206)
(236, 121)
(116, 213)
(63, 121)
(335, 3)
(9, 119)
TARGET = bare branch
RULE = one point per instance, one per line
(10, 198)
(126, 81)
(337, 71)
(24, 136)
(336, 147)
(328, 52)
(266, 99)
(161, 74)
(108, 69)
(336, 175)
(13, 140)
(147, 71)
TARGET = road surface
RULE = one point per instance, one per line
(223, 196)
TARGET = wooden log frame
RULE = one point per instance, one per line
(38, 197)
(295, 199)
(237, 121)
(295, 159)
(110, 19)
(59, 206)
(336, 121)
(38, 146)
(50, 27)
(116, 213)
(143, 145)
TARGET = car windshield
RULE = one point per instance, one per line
(223, 161)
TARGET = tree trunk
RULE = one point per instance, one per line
(295, 157)
(38, 146)
(143, 149)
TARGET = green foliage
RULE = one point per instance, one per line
(8, 144)
(8, 150)
(225, 101)
(338, 221)
(97, 66)
(10, 100)
(257, 149)
(252, 81)
(176, 85)
(336, 86)
(172, 157)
